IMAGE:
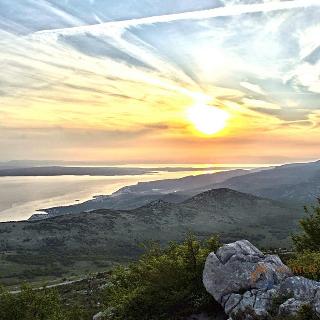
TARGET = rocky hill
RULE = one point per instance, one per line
(109, 236)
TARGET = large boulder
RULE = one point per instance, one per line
(242, 279)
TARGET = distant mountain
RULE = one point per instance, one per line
(178, 185)
(130, 197)
(40, 168)
(114, 235)
(295, 183)
(76, 171)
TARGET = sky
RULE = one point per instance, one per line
(114, 81)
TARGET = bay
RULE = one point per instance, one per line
(21, 197)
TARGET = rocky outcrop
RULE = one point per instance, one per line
(244, 280)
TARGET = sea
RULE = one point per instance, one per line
(21, 197)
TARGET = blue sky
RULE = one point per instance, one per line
(112, 80)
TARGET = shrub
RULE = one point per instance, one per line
(165, 284)
(306, 264)
(309, 239)
(44, 304)
(31, 305)
(306, 261)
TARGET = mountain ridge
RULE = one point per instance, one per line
(109, 236)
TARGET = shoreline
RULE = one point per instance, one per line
(25, 196)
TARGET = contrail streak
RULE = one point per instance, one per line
(193, 15)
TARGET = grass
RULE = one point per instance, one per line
(49, 269)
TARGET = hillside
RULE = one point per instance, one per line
(103, 237)
(131, 197)
(295, 184)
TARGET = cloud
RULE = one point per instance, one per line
(261, 104)
(307, 75)
(194, 15)
(252, 87)
(117, 84)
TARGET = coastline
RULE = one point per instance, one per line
(21, 197)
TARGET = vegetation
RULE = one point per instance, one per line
(28, 305)
(306, 261)
(306, 264)
(309, 239)
(173, 278)
(45, 267)
(33, 305)
(164, 284)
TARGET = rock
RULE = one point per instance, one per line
(300, 288)
(241, 278)
(303, 292)
(290, 307)
(240, 267)
(98, 316)
(316, 303)
(204, 316)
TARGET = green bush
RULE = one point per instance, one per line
(42, 304)
(31, 305)
(165, 284)
(309, 239)
(306, 261)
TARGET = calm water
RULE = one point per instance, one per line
(20, 197)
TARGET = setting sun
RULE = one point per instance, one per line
(207, 119)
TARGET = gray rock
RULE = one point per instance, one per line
(98, 316)
(240, 267)
(232, 302)
(300, 288)
(290, 307)
(204, 316)
(316, 303)
(303, 292)
(242, 278)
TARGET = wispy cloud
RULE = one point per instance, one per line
(225, 11)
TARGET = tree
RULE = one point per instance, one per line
(309, 239)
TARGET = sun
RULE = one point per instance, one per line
(207, 119)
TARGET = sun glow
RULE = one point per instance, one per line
(207, 119)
